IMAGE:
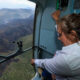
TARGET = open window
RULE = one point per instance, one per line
(16, 37)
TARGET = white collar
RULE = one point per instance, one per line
(72, 46)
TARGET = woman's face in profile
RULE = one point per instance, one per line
(62, 36)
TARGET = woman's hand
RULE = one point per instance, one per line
(56, 15)
(32, 62)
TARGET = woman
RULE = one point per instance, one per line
(66, 63)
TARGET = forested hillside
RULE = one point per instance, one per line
(20, 67)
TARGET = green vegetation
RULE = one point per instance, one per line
(21, 70)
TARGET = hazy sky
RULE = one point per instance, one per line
(16, 4)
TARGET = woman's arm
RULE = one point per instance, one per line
(39, 62)
(56, 15)
(56, 65)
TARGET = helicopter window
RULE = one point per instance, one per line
(16, 36)
(77, 4)
(62, 4)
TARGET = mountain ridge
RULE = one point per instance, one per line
(7, 15)
(14, 29)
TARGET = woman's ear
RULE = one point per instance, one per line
(73, 33)
(73, 36)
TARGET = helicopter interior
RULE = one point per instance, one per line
(45, 41)
(45, 35)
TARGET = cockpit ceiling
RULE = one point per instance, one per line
(37, 1)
